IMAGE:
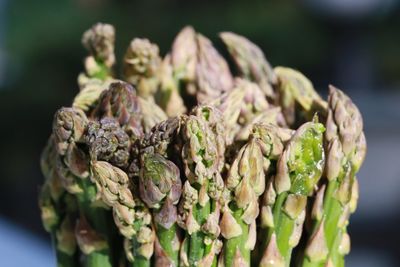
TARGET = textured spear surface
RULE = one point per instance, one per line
(299, 169)
(297, 96)
(160, 188)
(184, 164)
(69, 126)
(337, 197)
(250, 61)
(58, 210)
(142, 64)
(246, 182)
(99, 41)
(199, 207)
(131, 217)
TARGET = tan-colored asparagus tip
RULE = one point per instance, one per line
(229, 227)
(344, 247)
(272, 256)
(317, 249)
(294, 205)
(317, 208)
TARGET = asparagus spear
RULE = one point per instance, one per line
(141, 68)
(251, 62)
(120, 102)
(297, 97)
(246, 183)
(336, 199)
(184, 58)
(99, 41)
(93, 232)
(130, 215)
(203, 74)
(213, 76)
(298, 171)
(199, 208)
(271, 140)
(168, 97)
(57, 210)
(160, 188)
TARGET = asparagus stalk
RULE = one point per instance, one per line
(272, 140)
(141, 68)
(246, 182)
(160, 188)
(93, 232)
(298, 171)
(250, 62)
(99, 41)
(57, 210)
(130, 215)
(336, 199)
(199, 207)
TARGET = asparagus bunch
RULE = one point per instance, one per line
(183, 162)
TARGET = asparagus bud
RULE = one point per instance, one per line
(297, 97)
(131, 217)
(121, 103)
(107, 141)
(184, 55)
(142, 64)
(250, 61)
(99, 41)
(246, 182)
(68, 126)
(160, 188)
(212, 72)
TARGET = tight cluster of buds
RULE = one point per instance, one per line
(184, 160)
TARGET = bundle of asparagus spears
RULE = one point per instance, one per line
(182, 162)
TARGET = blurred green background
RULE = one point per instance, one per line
(353, 44)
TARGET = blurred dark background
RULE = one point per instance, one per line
(353, 44)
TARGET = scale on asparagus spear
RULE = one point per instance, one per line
(182, 160)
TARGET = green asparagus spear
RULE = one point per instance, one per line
(57, 210)
(99, 41)
(336, 199)
(160, 188)
(199, 207)
(298, 171)
(72, 166)
(132, 218)
(246, 182)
